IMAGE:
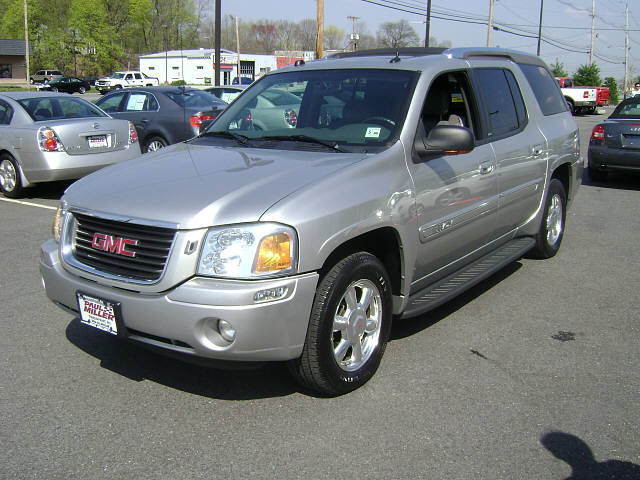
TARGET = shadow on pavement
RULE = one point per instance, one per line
(138, 364)
(580, 458)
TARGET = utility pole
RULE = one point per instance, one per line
(540, 27)
(320, 22)
(428, 25)
(218, 42)
(354, 35)
(626, 51)
(26, 43)
(490, 23)
(238, 50)
(593, 30)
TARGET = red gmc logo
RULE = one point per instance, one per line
(110, 243)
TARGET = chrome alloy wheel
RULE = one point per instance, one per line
(154, 146)
(554, 220)
(8, 175)
(356, 325)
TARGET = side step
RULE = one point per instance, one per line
(449, 287)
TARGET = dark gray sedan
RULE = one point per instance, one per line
(47, 136)
(615, 143)
(163, 115)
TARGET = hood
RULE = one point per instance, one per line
(200, 186)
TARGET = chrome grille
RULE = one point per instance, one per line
(148, 257)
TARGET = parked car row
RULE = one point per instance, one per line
(72, 137)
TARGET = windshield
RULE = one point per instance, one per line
(54, 108)
(119, 75)
(353, 110)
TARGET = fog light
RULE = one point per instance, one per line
(226, 330)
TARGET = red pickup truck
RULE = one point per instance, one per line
(602, 95)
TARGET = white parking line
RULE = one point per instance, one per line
(28, 203)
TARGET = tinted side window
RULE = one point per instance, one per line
(6, 112)
(501, 108)
(545, 89)
(111, 104)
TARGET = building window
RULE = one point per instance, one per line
(5, 70)
(175, 68)
(200, 67)
(152, 68)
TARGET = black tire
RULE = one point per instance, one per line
(117, 87)
(551, 231)
(571, 106)
(10, 181)
(53, 89)
(31, 81)
(154, 143)
(81, 90)
(369, 324)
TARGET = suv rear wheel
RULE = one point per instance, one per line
(349, 327)
(551, 231)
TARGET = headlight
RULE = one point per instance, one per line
(249, 251)
(57, 224)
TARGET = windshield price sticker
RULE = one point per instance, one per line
(97, 313)
(372, 132)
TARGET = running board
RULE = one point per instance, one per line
(449, 287)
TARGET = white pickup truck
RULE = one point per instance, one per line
(579, 99)
(125, 80)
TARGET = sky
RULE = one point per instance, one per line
(566, 24)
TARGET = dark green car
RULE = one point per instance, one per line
(68, 84)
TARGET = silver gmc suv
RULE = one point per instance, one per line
(327, 200)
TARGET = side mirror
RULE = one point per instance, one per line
(445, 140)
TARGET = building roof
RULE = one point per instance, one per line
(13, 47)
(191, 53)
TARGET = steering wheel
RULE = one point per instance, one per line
(380, 121)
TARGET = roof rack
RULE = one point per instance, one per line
(381, 52)
(514, 55)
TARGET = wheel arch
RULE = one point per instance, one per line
(24, 179)
(384, 243)
(563, 173)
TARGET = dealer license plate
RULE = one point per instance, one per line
(98, 313)
(98, 141)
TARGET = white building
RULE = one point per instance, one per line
(197, 67)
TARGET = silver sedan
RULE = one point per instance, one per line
(47, 136)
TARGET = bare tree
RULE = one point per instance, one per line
(397, 35)
(307, 34)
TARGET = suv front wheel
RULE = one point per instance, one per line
(349, 327)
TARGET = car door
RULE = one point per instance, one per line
(456, 195)
(520, 148)
(141, 109)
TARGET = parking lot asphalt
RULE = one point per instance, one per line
(533, 374)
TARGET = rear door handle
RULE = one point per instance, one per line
(486, 168)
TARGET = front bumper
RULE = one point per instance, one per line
(610, 159)
(183, 320)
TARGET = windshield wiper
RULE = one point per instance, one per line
(303, 138)
(226, 134)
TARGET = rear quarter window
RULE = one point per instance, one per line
(545, 89)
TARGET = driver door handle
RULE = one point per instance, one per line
(487, 167)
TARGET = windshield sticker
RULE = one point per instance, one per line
(136, 101)
(372, 132)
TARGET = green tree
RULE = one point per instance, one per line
(587, 76)
(334, 38)
(613, 89)
(557, 69)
